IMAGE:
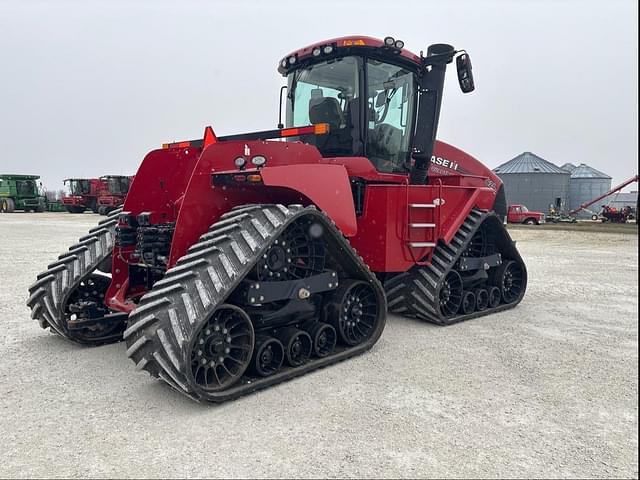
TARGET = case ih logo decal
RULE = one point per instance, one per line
(444, 162)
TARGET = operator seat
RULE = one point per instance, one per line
(327, 110)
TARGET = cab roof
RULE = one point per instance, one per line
(13, 176)
(345, 45)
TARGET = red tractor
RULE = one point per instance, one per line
(83, 194)
(241, 261)
(113, 192)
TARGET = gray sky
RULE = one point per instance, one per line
(87, 88)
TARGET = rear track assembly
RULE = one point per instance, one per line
(68, 297)
(480, 272)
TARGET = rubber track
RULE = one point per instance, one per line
(168, 317)
(47, 296)
(415, 293)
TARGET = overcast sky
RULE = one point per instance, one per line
(87, 88)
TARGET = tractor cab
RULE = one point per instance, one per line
(27, 188)
(116, 184)
(78, 186)
(367, 91)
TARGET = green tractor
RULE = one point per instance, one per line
(21, 192)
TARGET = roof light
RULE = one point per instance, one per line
(240, 162)
(327, 49)
(316, 52)
(283, 62)
(292, 59)
(389, 41)
(259, 160)
(399, 44)
(255, 178)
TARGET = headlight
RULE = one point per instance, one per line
(240, 162)
(259, 160)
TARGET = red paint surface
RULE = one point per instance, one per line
(175, 185)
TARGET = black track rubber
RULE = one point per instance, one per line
(162, 329)
(48, 295)
(415, 293)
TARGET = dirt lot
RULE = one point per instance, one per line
(549, 389)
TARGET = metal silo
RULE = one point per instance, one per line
(533, 181)
(586, 184)
(569, 167)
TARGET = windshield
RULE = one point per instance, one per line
(26, 188)
(118, 185)
(330, 92)
(79, 187)
(327, 93)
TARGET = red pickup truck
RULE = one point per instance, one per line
(521, 214)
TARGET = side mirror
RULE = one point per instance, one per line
(465, 73)
(381, 99)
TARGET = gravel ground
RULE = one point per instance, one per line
(549, 389)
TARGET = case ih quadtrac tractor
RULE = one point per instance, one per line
(241, 261)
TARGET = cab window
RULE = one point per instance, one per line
(391, 91)
(327, 93)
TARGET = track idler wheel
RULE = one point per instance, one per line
(221, 350)
(268, 356)
(495, 295)
(482, 299)
(297, 345)
(323, 336)
(468, 302)
(353, 311)
(509, 278)
(450, 295)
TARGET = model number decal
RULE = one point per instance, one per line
(444, 162)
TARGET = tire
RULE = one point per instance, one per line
(74, 209)
(594, 217)
(7, 205)
(530, 221)
(40, 209)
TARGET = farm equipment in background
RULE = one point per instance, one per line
(606, 213)
(83, 194)
(20, 192)
(614, 215)
(112, 193)
(242, 261)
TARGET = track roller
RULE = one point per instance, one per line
(297, 345)
(495, 295)
(482, 299)
(268, 356)
(468, 302)
(323, 336)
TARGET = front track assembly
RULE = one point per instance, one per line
(267, 294)
(478, 273)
